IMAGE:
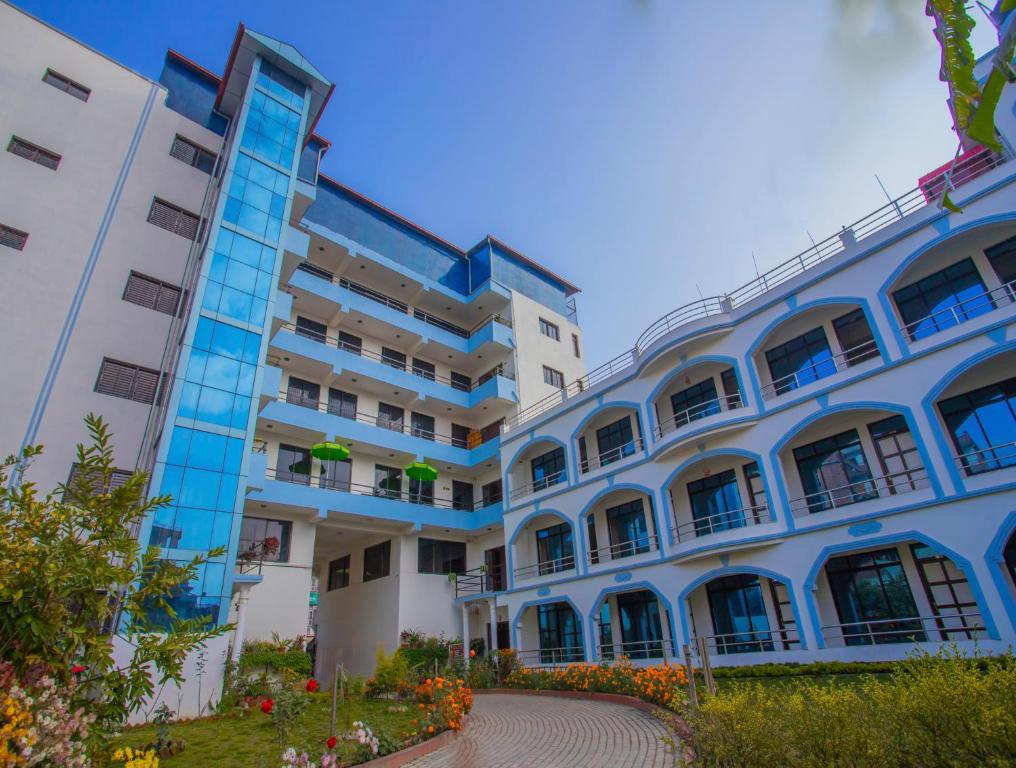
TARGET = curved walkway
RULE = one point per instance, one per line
(513, 731)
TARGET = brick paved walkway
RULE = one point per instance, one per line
(508, 731)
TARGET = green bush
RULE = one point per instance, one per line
(941, 710)
(391, 677)
(421, 655)
(816, 668)
(276, 657)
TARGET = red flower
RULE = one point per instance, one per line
(332, 741)
(77, 669)
(312, 686)
(267, 705)
(472, 653)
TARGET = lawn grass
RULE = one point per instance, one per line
(248, 740)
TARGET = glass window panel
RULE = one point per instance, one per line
(800, 361)
(834, 472)
(695, 402)
(738, 612)
(982, 425)
(626, 524)
(942, 300)
(716, 503)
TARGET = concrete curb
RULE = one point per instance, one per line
(409, 754)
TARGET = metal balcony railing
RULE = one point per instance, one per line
(359, 489)
(940, 628)
(823, 368)
(964, 170)
(988, 459)
(538, 485)
(613, 455)
(753, 641)
(551, 657)
(623, 549)
(699, 411)
(723, 521)
(960, 312)
(477, 581)
(893, 484)
(545, 567)
(638, 649)
(397, 363)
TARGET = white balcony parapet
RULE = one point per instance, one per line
(723, 521)
(820, 370)
(613, 455)
(941, 628)
(960, 313)
(699, 411)
(881, 486)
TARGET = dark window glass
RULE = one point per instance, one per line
(555, 549)
(548, 469)
(461, 382)
(441, 557)
(756, 488)
(800, 361)
(1010, 558)
(873, 587)
(341, 403)
(739, 614)
(949, 594)
(460, 436)
(314, 269)
(492, 493)
(491, 431)
(594, 542)
(553, 377)
(393, 358)
(583, 454)
(311, 329)
(306, 394)
(377, 561)
(421, 491)
(716, 503)
(942, 300)
(834, 472)
(547, 328)
(387, 481)
(1002, 258)
(855, 337)
(338, 573)
(615, 441)
(641, 630)
(560, 634)
(255, 531)
(350, 343)
(606, 633)
(575, 345)
(336, 475)
(390, 417)
(423, 369)
(293, 464)
(897, 453)
(423, 425)
(695, 402)
(982, 424)
(462, 495)
(626, 524)
(731, 388)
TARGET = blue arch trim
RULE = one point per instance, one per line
(996, 566)
(811, 582)
(517, 618)
(509, 549)
(735, 570)
(654, 507)
(928, 405)
(685, 367)
(506, 479)
(600, 408)
(886, 287)
(631, 586)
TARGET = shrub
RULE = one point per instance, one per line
(276, 657)
(662, 684)
(423, 653)
(391, 676)
(444, 702)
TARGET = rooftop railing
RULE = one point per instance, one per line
(963, 171)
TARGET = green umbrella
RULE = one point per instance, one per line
(329, 452)
(418, 470)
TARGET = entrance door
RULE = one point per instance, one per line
(494, 559)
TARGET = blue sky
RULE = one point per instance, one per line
(643, 149)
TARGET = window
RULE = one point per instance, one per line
(872, 586)
(350, 343)
(695, 402)
(897, 453)
(1002, 258)
(390, 417)
(855, 337)
(491, 431)
(641, 630)
(460, 436)
(716, 503)
(66, 85)
(33, 152)
(552, 377)
(117, 479)
(941, 300)
(423, 369)
(173, 219)
(949, 595)
(982, 424)
(731, 388)
(739, 614)
(254, 531)
(377, 561)
(756, 488)
(13, 238)
(800, 361)
(336, 475)
(293, 464)
(547, 328)
(131, 382)
(462, 495)
(421, 491)
(190, 153)
(560, 634)
(338, 573)
(461, 382)
(492, 493)
(615, 441)
(834, 472)
(393, 358)
(304, 393)
(151, 293)
(341, 403)
(387, 481)
(626, 524)
(575, 344)
(555, 549)
(440, 557)
(423, 425)
(311, 329)
(548, 469)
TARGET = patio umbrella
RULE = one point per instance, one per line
(329, 452)
(418, 470)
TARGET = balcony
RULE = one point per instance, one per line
(883, 486)
(612, 456)
(479, 581)
(961, 312)
(528, 489)
(939, 628)
(545, 568)
(699, 411)
(821, 369)
(987, 459)
(721, 522)
(624, 549)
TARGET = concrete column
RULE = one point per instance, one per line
(465, 632)
(242, 599)
(493, 624)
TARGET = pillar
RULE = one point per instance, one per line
(242, 598)
(493, 624)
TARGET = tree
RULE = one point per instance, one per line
(70, 565)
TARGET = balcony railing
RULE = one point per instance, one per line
(359, 489)
(551, 657)
(398, 364)
(476, 437)
(638, 649)
(753, 641)
(965, 170)
(944, 628)
(545, 567)
(623, 549)
(723, 521)
(699, 411)
(823, 368)
(862, 490)
(613, 455)
(988, 459)
(538, 485)
(401, 306)
(477, 581)
(960, 312)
